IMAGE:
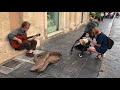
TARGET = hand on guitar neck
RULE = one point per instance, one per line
(33, 38)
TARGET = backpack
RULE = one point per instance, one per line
(110, 43)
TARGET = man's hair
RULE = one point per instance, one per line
(25, 23)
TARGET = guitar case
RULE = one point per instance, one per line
(44, 59)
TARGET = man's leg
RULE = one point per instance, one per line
(20, 48)
(33, 44)
(27, 46)
(23, 46)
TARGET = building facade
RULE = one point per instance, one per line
(47, 24)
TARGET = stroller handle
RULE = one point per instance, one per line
(73, 46)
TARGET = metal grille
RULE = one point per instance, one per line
(10, 66)
(11, 63)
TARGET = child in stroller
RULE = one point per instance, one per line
(83, 44)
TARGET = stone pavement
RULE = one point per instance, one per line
(70, 67)
(111, 63)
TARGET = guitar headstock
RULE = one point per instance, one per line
(38, 34)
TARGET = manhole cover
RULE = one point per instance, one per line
(11, 63)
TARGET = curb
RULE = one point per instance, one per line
(110, 25)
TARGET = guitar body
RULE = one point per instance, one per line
(23, 37)
(15, 44)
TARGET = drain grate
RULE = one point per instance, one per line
(12, 63)
(10, 66)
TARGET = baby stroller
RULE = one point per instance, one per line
(79, 46)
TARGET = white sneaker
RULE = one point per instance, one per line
(80, 55)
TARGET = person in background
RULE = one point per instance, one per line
(102, 16)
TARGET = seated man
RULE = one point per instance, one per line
(30, 45)
(101, 46)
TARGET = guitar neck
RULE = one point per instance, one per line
(31, 36)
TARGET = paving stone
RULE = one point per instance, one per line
(5, 76)
(23, 71)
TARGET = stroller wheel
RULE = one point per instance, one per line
(80, 55)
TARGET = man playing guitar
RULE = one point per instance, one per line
(29, 45)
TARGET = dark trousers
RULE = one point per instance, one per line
(29, 45)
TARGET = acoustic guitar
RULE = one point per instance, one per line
(22, 37)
